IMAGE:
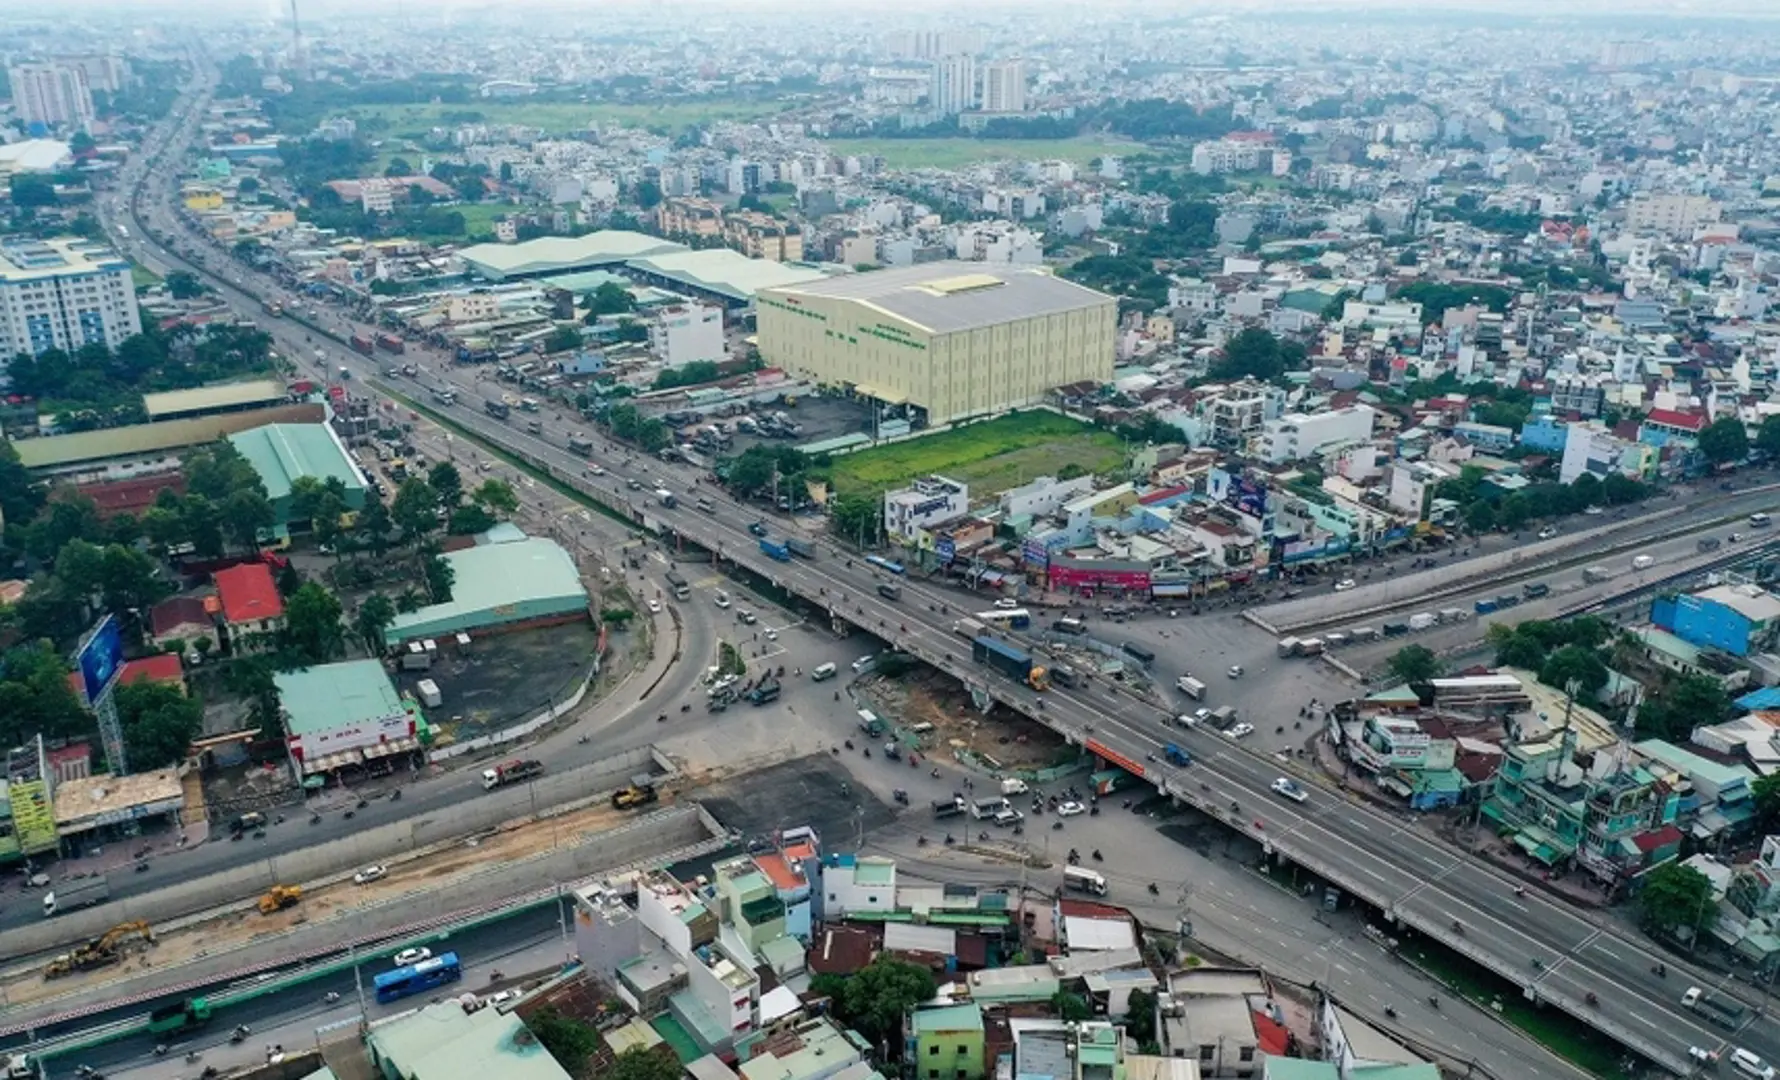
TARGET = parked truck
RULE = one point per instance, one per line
(800, 547)
(510, 772)
(362, 344)
(77, 894)
(1288, 646)
(1013, 662)
(775, 549)
(1191, 687)
(187, 1014)
(1724, 1011)
(968, 629)
(391, 343)
(666, 498)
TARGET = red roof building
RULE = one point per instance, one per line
(162, 668)
(130, 496)
(250, 600)
(182, 617)
(1672, 420)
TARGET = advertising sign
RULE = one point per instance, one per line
(101, 657)
(352, 736)
(945, 550)
(1034, 553)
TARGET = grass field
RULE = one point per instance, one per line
(990, 456)
(142, 277)
(957, 153)
(479, 217)
(560, 117)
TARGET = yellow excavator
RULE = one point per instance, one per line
(279, 897)
(100, 951)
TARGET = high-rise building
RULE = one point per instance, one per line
(63, 294)
(52, 94)
(954, 88)
(1004, 86)
(105, 73)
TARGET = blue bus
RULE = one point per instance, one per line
(1012, 618)
(883, 564)
(418, 978)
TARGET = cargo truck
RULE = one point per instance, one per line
(272, 308)
(77, 894)
(775, 549)
(580, 444)
(362, 344)
(681, 589)
(1424, 619)
(497, 409)
(1191, 687)
(1288, 646)
(666, 498)
(803, 549)
(187, 1014)
(889, 590)
(1013, 662)
(391, 343)
(968, 629)
(1176, 756)
(1726, 1012)
(510, 772)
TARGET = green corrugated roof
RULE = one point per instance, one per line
(495, 576)
(323, 698)
(948, 1018)
(282, 452)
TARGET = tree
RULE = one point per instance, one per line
(1586, 490)
(27, 190)
(416, 508)
(289, 580)
(1766, 790)
(469, 519)
(163, 527)
(248, 514)
(35, 696)
(573, 1043)
(1676, 900)
(447, 483)
(20, 495)
(1575, 664)
(872, 1000)
(373, 526)
(641, 1063)
(1620, 490)
(1725, 441)
(1767, 437)
(129, 582)
(1415, 664)
(497, 495)
(159, 723)
(648, 194)
(312, 625)
(184, 285)
(562, 339)
(440, 577)
(609, 299)
(202, 525)
(375, 615)
(252, 678)
(858, 518)
(1254, 353)
(1070, 1008)
(1480, 516)
(1674, 709)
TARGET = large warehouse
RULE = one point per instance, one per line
(525, 581)
(955, 339)
(562, 254)
(284, 453)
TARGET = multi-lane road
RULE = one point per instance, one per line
(1559, 953)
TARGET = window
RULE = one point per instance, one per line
(1205, 1051)
(933, 1051)
(1247, 1053)
(962, 1049)
(932, 1074)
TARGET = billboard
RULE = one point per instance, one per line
(945, 549)
(352, 735)
(101, 657)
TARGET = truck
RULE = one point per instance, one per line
(1595, 573)
(272, 308)
(510, 772)
(1288, 646)
(1535, 589)
(497, 409)
(775, 549)
(969, 629)
(666, 498)
(1013, 662)
(889, 590)
(1310, 646)
(800, 547)
(279, 897)
(77, 894)
(639, 792)
(1176, 756)
(1422, 620)
(1726, 1012)
(1191, 687)
(363, 345)
(765, 692)
(182, 1016)
(391, 343)
(870, 723)
(445, 395)
(580, 444)
(681, 589)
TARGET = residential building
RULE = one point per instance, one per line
(952, 339)
(924, 503)
(1230, 155)
(1592, 447)
(105, 72)
(185, 619)
(690, 216)
(63, 294)
(946, 1042)
(954, 85)
(1004, 86)
(250, 602)
(1213, 1023)
(763, 236)
(1672, 427)
(53, 94)
(1234, 413)
(446, 1040)
(1386, 316)
(1297, 436)
(1738, 619)
(346, 715)
(682, 334)
(815, 1049)
(1584, 395)
(1192, 295)
(1674, 216)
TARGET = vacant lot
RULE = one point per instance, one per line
(990, 456)
(957, 153)
(559, 117)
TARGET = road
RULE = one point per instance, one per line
(1559, 952)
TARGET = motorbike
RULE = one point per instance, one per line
(949, 840)
(347, 815)
(142, 867)
(1458, 927)
(1661, 971)
(920, 841)
(192, 1056)
(1592, 999)
(849, 744)
(868, 751)
(160, 1050)
(1056, 825)
(1433, 1001)
(315, 819)
(396, 795)
(1153, 890)
(1097, 857)
(1390, 1011)
(495, 975)
(240, 1034)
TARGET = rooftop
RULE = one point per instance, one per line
(34, 156)
(161, 667)
(946, 297)
(323, 698)
(725, 272)
(1752, 602)
(95, 797)
(43, 260)
(967, 1017)
(281, 453)
(248, 594)
(557, 254)
(442, 1042)
(499, 575)
(56, 451)
(211, 398)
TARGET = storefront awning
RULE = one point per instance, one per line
(1171, 590)
(393, 746)
(330, 762)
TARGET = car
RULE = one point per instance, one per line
(748, 617)
(1071, 809)
(1006, 604)
(595, 470)
(1237, 731)
(1289, 789)
(1702, 1056)
(1235, 671)
(770, 634)
(1194, 718)
(501, 997)
(864, 662)
(1735, 538)
(370, 874)
(722, 601)
(1345, 584)
(413, 956)
(655, 607)
(1594, 511)
(1548, 532)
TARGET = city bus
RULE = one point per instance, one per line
(1010, 618)
(418, 978)
(884, 564)
(679, 586)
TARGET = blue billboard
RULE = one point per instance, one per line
(101, 657)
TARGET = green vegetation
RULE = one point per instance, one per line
(954, 153)
(1415, 663)
(992, 455)
(1676, 901)
(142, 277)
(872, 1001)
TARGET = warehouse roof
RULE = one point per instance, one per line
(499, 575)
(35, 156)
(282, 452)
(945, 297)
(323, 698)
(556, 254)
(728, 273)
(210, 398)
(63, 451)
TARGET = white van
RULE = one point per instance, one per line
(864, 662)
(826, 671)
(1750, 1065)
(1760, 521)
(1643, 562)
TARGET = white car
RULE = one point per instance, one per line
(370, 874)
(1286, 788)
(1194, 718)
(1594, 511)
(1006, 604)
(595, 470)
(1071, 809)
(1235, 671)
(501, 997)
(1237, 731)
(655, 607)
(412, 956)
(722, 601)
(1548, 532)
(770, 634)
(1345, 584)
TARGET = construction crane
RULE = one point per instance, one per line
(100, 951)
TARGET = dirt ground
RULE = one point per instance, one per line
(430, 876)
(929, 697)
(503, 678)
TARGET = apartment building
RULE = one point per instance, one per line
(954, 85)
(1297, 436)
(926, 502)
(1230, 155)
(1671, 215)
(682, 334)
(1004, 86)
(762, 236)
(1592, 447)
(54, 94)
(689, 216)
(1232, 414)
(1584, 395)
(63, 294)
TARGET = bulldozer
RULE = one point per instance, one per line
(279, 897)
(99, 952)
(641, 792)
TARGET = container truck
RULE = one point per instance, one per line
(1191, 687)
(510, 772)
(1422, 620)
(1595, 573)
(1718, 1009)
(1310, 647)
(391, 343)
(362, 344)
(1013, 662)
(968, 629)
(666, 498)
(1288, 646)
(800, 547)
(775, 549)
(190, 1013)
(497, 409)
(77, 894)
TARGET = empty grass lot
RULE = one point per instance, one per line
(990, 456)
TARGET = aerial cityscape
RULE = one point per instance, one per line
(774, 542)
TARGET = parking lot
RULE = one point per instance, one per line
(503, 678)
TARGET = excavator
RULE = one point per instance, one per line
(100, 951)
(641, 792)
(279, 897)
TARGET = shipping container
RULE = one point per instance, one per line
(800, 547)
(1010, 661)
(775, 549)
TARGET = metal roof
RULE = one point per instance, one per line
(323, 698)
(728, 273)
(282, 452)
(557, 254)
(498, 575)
(947, 297)
(223, 396)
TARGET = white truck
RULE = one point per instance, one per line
(76, 894)
(1423, 620)
(1191, 687)
(1014, 786)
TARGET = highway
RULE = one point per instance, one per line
(1556, 951)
